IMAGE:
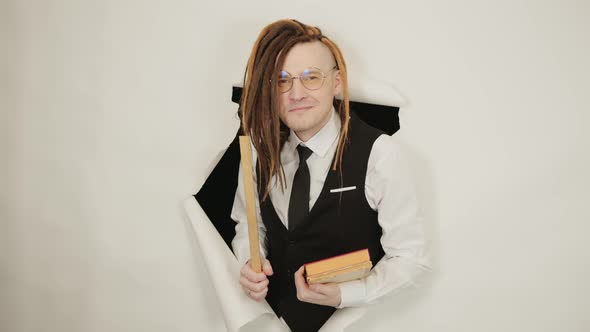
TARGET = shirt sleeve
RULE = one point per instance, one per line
(241, 243)
(390, 191)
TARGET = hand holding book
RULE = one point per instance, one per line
(317, 282)
(327, 294)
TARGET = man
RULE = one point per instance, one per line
(328, 184)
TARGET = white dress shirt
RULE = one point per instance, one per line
(389, 190)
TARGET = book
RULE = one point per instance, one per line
(346, 267)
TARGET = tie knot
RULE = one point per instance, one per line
(304, 153)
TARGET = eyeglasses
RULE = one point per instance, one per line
(311, 78)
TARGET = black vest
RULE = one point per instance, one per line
(338, 223)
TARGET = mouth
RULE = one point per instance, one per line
(300, 108)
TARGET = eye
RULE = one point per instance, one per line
(311, 75)
(282, 81)
(284, 74)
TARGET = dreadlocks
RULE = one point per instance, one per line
(260, 103)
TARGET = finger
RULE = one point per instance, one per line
(300, 281)
(267, 268)
(328, 289)
(259, 296)
(253, 286)
(317, 288)
(246, 290)
(303, 292)
(247, 272)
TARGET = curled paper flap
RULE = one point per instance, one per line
(376, 92)
(240, 313)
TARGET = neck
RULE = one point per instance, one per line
(304, 136)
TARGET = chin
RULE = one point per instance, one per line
(297, 124)
(302, 121)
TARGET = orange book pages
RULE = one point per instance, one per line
(329, 268)
(353, 272)
(337, 262)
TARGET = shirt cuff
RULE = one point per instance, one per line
(238, 255)
(352, 293)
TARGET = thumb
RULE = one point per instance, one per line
(267, 268)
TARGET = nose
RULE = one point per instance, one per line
(298, 91)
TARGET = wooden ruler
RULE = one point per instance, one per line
(246, 154)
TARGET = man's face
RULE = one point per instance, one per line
(302, 110)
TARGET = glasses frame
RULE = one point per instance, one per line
(303, 84)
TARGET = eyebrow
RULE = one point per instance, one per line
(317, 67)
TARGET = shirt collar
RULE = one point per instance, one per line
(320, 142)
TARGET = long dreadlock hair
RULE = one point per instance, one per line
(259, 102)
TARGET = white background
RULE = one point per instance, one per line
(112, 112)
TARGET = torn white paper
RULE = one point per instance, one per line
(241, 313)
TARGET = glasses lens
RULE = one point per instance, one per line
(312, 79)
(284, 81)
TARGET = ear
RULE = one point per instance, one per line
(337, 86)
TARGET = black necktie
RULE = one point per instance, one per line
(299, 201)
